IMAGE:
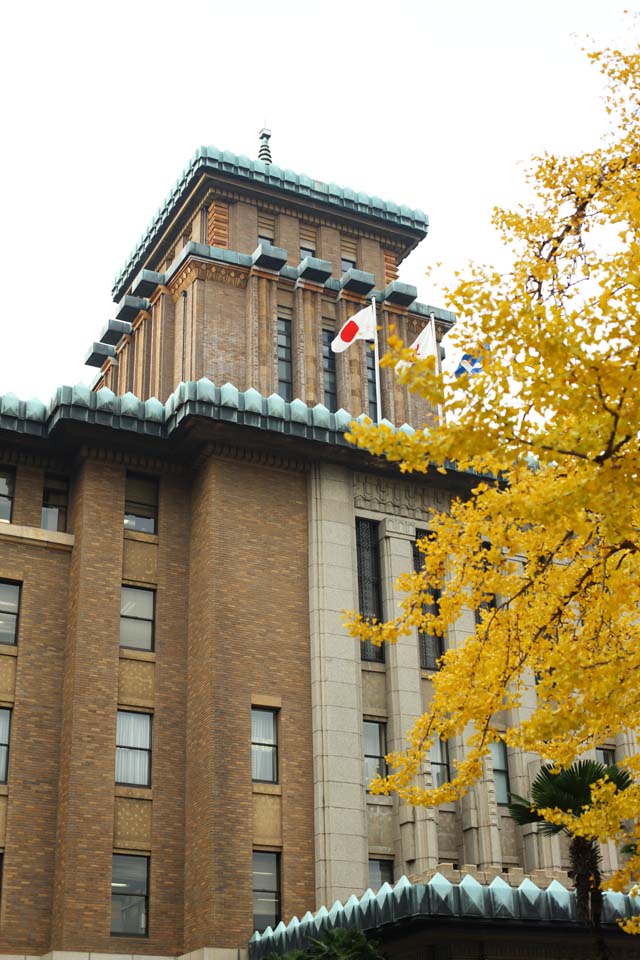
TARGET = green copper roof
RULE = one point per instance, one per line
(440, 900)
(156, 419)
(270, 175)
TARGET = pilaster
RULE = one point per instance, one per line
(339, 788)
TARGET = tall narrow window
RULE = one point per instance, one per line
(375, 749)
(129, 895)
(133, 749)
(329, 371)
(285, 366)
(439, 757)
(606, 755)
(5, 730)
(371, 383)
(500, 771)
(141, 503)
(266, 890)
(380, 871)
(369, 581)
(264, 745)
(431, 645)
(490, 602)
(9, 611)
(7, 483)
(54, 503)
(137, 614)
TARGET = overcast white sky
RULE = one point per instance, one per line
(437, 104)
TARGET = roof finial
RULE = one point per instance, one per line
(264, 153)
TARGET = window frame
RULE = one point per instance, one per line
(369, 652)
(5, 779)
(277, 854)
(306, 252)
(381, 764)
(47, 488)
(329, 371)
(148, 750)
(351, 264)
(8, 473)
(439, 748)
(274, 711)
(145, 896)
(601, 754)
(263, 238)
(13, 583)
(427, 660)
(287, 334)
(133, 475)
(502, 771)
(370, 370)
(152, 591)
(380, 860)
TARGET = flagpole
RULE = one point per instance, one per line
(376, 359)
(438, 364)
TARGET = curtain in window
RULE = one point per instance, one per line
(132, 748)
(263, 748)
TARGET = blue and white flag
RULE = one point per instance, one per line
(468, 364)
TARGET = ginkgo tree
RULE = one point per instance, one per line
(547, 546)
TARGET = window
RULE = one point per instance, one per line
(439, 757)
(54, 503)
(375, 749)
(431, 645)
(137, 607)
(500, 771)
(266, 890)
(346, 263)
(285, 368)
(490, 602)
(264, 745)
(129, 895)
(5, 730)
(307, 252)
(9, 610)
(380, 871)
(141, 503)
(133, 749)
(369, 581)
(264, 238)
(329, 371)
(372, 401)
(606, 755)
(7, 483)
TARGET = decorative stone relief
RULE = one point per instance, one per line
(7, 677)
(132, 827)
(136, 682)
(398, 497)
(195, 270)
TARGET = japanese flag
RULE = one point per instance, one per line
(361, 326)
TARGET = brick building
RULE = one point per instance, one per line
(186, 731)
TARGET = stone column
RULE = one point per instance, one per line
(339, 789)
(416, 829)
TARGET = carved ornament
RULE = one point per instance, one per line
(197, 270)
(398, 497)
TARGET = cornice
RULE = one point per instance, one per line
(196, 269)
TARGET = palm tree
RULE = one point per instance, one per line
(569, 790)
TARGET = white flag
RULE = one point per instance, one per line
(361, 326)
(425, 345)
